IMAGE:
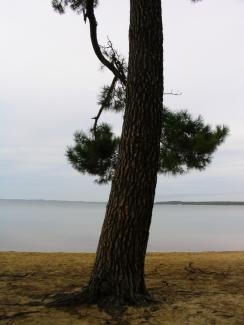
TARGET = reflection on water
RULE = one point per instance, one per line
(70, 226)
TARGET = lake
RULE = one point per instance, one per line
(51, 226)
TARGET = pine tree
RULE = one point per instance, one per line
(185, 144)
(153, 140)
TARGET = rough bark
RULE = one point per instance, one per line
(118, 273)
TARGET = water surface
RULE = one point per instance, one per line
(75, 227)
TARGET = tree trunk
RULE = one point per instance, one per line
(118, 273)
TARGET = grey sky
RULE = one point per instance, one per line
(50, 78)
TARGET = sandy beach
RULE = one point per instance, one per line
(192, 288)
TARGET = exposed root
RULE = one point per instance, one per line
(16, 275)
(29, 304)
(66, 299)
(112, 304)
(115, 306)
(16, 315)
(194, 271)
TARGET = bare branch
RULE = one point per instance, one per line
(89, 13)
(115, 58)
(173, 93)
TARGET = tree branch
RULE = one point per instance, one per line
(93, 34)
(105, 103)
(172, 93)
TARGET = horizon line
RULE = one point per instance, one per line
(172, 202)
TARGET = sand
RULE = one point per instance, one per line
(193, 288)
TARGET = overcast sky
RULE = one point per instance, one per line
(50, 78)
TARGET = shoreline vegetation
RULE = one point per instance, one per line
(191, 288)
(40, 201)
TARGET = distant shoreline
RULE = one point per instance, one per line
(200, 203)
(233, 203)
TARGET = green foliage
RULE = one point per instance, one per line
(95, 155)
(185, 144)
(77, 5)
(114, 101)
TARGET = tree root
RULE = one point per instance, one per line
(16, 275)
(16, 315)
(65, 299)
(191, 271)
(110, 303)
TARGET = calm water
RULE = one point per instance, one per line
(64, 226)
